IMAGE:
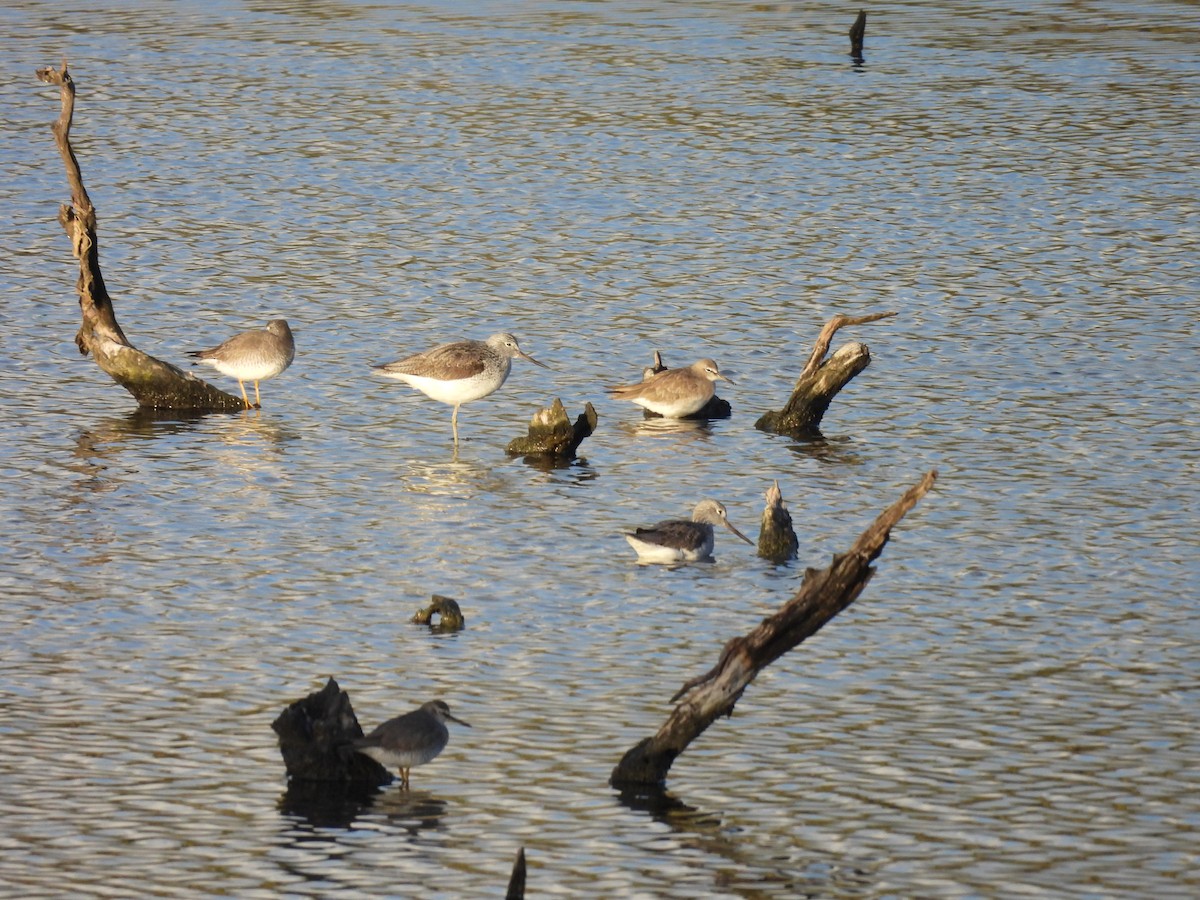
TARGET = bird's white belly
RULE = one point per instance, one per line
(460, 390)
(673, 408)
(649, 551)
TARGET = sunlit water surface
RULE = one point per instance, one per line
(1009, 709)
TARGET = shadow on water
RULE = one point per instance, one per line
(707, 833)
(817, 447)
(322, 804)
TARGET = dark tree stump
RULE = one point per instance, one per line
(858, 32)
(315, 736)
(154, 384)
(820, 381)
(776, 538)
(822, 595)
(552, 436)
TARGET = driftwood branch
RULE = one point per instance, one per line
(153, 383)
(822, 595)
(821, 380)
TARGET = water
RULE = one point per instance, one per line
(1008, 709)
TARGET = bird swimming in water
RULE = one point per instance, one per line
(682, 540)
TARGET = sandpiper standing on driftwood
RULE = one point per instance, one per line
(252, 356)
(412, 739)
(682, 540)
(459, 373)
(674, 393)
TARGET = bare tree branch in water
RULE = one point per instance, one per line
(153, 383)
(821, 380)
(701, 701)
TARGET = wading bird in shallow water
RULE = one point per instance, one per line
(680, 540)
(459, 373)
(412, 739)
(252, 356)
(674, 393)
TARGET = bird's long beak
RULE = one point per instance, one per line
(729, 525)
(524, 355)
(459, 721)
(725, 378)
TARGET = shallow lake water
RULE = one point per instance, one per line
(1010, 707)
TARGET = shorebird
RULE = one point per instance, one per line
(459, 373)
(252, 356)
(412, 739)
(681, 540)
(674, 393)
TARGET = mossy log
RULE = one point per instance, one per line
(554, 436)
(315, 736)
(449, 615)
(153, 383)
(820, 381)
(776, 538)
(822, 595)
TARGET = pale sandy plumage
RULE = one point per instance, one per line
(674, 393)
(252, 356)
(412, 739)
(682, 540)
(460, 372)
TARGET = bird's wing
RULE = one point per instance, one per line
(673, 533)
(449, 361)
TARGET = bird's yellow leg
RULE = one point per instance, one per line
(245, 399)
(454, 425)
(257, 399)
(404, 779)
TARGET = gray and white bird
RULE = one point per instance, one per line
(412, 739)
(252, 356)
(460, 372)
(675, 541)
(674, 393)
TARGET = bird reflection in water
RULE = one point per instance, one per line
(328, 804)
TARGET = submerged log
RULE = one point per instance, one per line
(154, 384)
(776, 538)
(820, 381)
(450, 617)
(858, 32)
(822, 595)
(552, 435)
(315, 736)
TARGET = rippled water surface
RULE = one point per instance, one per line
(1009, 708)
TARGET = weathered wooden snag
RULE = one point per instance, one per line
(315, 736)
(822, 595)
(450, 617)
(858, 32)
(820, 381)
(776, 538)
(154, 384)
(552, 435)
